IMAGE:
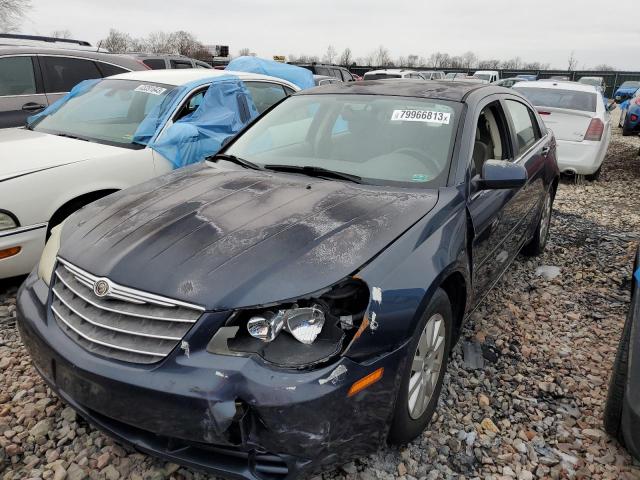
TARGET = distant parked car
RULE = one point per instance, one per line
(508, 82)
(31, 78)
(161, 62)
(454, 75)
(20, 40)
(577, 115)
(432, 74)
(630, 115)
(530, 78)
(336, 71)
(488, 75)
(622, 410)
(626, 90)
(595, 81)
(562, 78)
(115, 133)
(325, 80)
(394, 73)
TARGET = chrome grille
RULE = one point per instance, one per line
(124, 324)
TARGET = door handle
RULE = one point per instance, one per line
(32, 107)
(545, 150)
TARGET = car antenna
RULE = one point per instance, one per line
(98, 48)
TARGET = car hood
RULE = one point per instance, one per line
(227, 238)
(26, 151)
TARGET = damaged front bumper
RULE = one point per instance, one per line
(234, 416)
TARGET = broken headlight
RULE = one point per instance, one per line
(297, 334)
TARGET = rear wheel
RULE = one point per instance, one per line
(617, 385)
(422, 380)
(539, 240)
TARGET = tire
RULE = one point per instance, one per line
(626, 132)
(407, 424)
(595, 175)
(539, 241)
(617, 384)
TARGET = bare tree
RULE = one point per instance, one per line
(412, 61)
(159, 42)
(117, 42)
(12, 12)
(489, 64)
(439, 60)
(346, 58)
(603, 67)
(572, 61)
(513, 63)
(66, 33)
(330, 55)
(381, 57)
(245, 52)
(469, 60)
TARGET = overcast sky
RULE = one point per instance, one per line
(541, 30)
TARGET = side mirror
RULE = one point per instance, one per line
(501, 174)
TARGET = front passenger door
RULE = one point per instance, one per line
(21, 93)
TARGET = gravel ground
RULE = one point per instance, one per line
(533, 410)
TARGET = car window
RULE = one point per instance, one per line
(265, 94)
(335, 72)
(524, 124)
(107, 69)
(192, 104)
(559, 98)
(346, 76)
(491, 137)
(180, 64)
(386, 140)
(155, 63)
(61, 74)
(16, 76)
(322, 71)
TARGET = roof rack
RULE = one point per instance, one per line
(39, 38)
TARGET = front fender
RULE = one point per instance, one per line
(403, 278)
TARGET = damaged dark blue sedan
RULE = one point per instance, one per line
(291, 302)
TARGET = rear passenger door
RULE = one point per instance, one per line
(180, 64)
(21, 92)
(531, 148)
(61, 74)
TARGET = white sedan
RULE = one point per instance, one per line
(580, 120)
(87, 149)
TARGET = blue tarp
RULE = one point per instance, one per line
(79, 89)
(299, 76)
(225, 109)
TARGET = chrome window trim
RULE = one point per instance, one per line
(27, 228)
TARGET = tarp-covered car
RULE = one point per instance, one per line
(292, 302)
(110, 134)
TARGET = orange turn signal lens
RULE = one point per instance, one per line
(9, 252)
(365, 382)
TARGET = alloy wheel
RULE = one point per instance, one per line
(426, 366)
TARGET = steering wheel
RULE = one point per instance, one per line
(420, 156)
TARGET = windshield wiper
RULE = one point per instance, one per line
(68, 135)
(315, 172)
(233, 159)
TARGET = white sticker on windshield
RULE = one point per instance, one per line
(421, 116)
(152, 89)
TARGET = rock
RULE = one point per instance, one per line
(69, 414)
(483, 400)
(525, 475)
(548, 272)
(41, 428)
(402, 469)
(110, 473)
(488, 425)
(103, 460)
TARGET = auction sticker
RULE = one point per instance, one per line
(152, 89)
(421, 116)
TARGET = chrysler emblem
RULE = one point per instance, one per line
(101, 288)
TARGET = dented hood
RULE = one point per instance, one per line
(227, 238)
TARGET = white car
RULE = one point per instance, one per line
(86, 150)
(489, 75)
(577, 115)
(393, 73)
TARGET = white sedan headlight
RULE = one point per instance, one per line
(49, 254)
(7, 222)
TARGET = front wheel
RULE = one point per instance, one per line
(424, 372)
(539, 240)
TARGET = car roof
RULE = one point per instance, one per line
(122, 60)
(558, 85)
(392, 70)
(434, 89)
(178, 77)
